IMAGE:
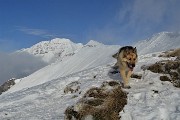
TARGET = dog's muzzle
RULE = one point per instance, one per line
(130, 66)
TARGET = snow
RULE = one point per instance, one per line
(54, 49)
(48, 101)
(145, 104)
(41, 95)
(159, 42)
(93, 43)
(87, 57)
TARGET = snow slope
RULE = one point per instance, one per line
(159, 42)
(48, 101)
(41, 95)
(54, 49)
(91, 55)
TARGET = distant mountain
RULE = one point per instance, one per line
(54, 49)
(74, 57)
(93, 54)
(159, 42)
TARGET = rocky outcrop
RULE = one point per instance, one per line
(7, 85)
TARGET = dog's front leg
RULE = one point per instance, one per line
(123, 75)
(129, 75)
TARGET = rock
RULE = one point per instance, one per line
(72, 87)
(7, 85)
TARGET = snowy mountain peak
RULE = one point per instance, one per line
(166, 34)
(159, 42)
(57, 48)
(93, 43)
(54, 49)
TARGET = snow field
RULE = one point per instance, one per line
(41, 95)
(148, 98)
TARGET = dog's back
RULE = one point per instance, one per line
(122, 49)
(126, 48)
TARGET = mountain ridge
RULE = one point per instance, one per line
(93, 54)
(159, 42)
(54, 49)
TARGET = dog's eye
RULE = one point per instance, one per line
(129, 58)
(134, 59)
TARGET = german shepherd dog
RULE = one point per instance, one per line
(126, 60)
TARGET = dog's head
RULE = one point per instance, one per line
(130, 54)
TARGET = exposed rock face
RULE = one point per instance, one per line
(7, 85)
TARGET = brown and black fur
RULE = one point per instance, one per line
(126, 60)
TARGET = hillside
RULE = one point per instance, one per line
(149, 98)
(65, 84)
(159, 42)
(93, 54)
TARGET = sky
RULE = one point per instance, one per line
(24, 23)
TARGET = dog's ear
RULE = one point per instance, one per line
(135, 50)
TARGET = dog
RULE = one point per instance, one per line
(126, 61)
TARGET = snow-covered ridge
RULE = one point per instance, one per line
(149, 98)
(93, 43)
(41, 95)
(54, 49)
(85, 58)
(57, 49)
(77, 57)
(159, 42)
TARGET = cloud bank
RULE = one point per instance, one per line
(18, 65)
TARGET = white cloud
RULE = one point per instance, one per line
(36, 32)
(150, 16)
(139, 19)
(18, 65)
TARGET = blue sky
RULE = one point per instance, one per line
(26, 22)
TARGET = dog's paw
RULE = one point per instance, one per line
(126, 86)
(114, 72)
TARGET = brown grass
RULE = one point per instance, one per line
(136, 76)
(171, 53)
(164, 78)
(167, 67)
(101, 103)
(157, 68)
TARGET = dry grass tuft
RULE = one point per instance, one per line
(156, 68)
(171, 53)
(103, 103)
(136, 76)
(168, 68)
